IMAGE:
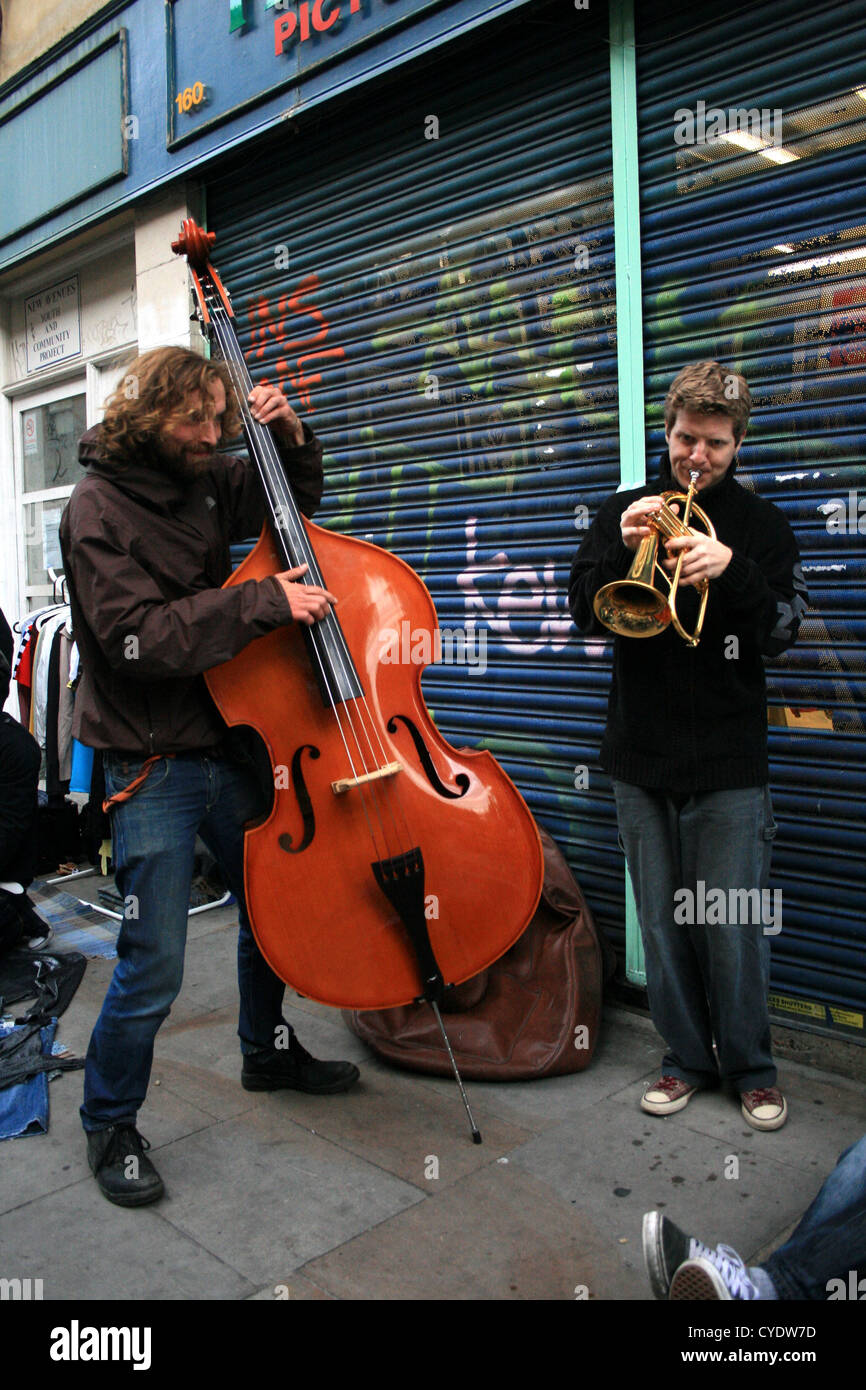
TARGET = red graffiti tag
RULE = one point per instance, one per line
(845, 354)
(271, 328)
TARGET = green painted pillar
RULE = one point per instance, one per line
(629, 320)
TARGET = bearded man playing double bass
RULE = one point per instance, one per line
(145, 541)
(686, 747)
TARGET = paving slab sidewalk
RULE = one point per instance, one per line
(380, 1194)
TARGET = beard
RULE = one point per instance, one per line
(182, 462)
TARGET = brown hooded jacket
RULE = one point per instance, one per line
(145, 557)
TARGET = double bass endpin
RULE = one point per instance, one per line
(476, 1132)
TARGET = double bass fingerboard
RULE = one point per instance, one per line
(335, 672)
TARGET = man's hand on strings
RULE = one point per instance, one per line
(270, 407)
(309, 603)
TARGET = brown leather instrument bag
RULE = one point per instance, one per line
(535, 1012)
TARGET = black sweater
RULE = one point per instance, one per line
(686, 719)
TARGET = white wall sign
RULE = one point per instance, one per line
(51, 556)
(53, 325)
(32, 432)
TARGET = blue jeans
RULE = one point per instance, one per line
(830, 1241)
(154, 835)
(706, 980)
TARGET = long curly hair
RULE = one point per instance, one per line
(155, 392)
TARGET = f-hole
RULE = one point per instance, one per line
(462, 781)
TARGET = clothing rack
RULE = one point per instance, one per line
(45, 667)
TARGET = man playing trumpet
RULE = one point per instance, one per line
(686, 744)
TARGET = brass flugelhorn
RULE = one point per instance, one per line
(634, 606)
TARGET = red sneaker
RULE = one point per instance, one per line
(764, 1108)
(665, 1096)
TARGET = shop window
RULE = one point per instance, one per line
(47, 433)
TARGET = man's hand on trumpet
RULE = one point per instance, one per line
(633, 526)
(704, 558)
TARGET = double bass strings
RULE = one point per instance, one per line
(274, 481)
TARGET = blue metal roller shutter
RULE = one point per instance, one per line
(761, 264)
(447, 323)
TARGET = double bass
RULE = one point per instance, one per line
(391, 867)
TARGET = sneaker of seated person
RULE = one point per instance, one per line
(714, 1274)
(665, 1248)
(21, 923)
(36, 933)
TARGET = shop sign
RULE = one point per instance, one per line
(52, 325)
(303, 19)
(226, 57)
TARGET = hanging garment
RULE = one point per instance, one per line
(52, 706)
(41, 669)
(65, 708)
(28, 629)
(22, 660)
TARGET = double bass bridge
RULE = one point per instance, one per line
(345, 784)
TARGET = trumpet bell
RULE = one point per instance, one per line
(634, 606)
(631, 608)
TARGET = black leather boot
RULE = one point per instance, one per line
(293, 1068)
(123, 1171)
